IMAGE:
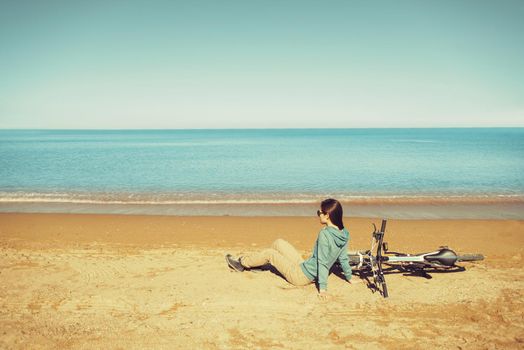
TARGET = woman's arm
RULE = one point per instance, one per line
(322, 261)
(343, 260)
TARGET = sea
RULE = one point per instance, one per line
(392, 173)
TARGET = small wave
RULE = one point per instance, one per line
(247, 198)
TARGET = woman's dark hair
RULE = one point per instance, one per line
(333, 208)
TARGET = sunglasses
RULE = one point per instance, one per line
(320, 212)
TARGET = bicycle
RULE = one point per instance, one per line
(367, 264)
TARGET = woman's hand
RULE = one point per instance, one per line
(323, 295)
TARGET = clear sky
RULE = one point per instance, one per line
(229, 64)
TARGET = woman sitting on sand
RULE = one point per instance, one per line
(331, 245)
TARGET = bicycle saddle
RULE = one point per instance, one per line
(445, 257)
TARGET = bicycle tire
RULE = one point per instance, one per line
(470, 257)
(385, 290)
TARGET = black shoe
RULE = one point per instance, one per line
(234, 264)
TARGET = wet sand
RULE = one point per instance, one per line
(133, 282)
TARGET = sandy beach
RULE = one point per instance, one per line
(133, 282)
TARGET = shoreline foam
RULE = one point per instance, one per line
(399, 207)
(165, 198)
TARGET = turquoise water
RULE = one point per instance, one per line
(259, 166)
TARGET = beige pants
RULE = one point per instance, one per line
(284, 257)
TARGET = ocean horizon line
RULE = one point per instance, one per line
(267, 128)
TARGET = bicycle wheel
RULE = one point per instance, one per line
(470, 257)
(385, 290)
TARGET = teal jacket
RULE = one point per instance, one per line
(331, 245)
